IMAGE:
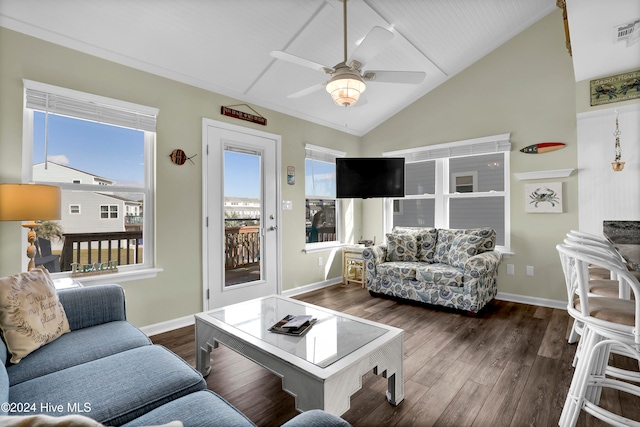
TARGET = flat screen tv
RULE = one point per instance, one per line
(368, 177)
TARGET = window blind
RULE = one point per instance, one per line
(322, 154)
(489, 144)
(66, 102)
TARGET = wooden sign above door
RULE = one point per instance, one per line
(228, 111)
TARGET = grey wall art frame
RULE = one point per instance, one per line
(543, 197)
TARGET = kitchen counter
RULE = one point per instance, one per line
(625, 236)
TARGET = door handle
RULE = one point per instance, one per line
(273, 228)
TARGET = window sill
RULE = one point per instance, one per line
(119, 277)
(321, 247)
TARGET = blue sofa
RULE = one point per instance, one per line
(454, 268)
(108, 370)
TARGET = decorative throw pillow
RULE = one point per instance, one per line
(427, 244)
(30, 313)
(402, 247)
(425, 238)
(463, 247)
(443, 245)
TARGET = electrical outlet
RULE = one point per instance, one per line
(529, 270)
(510, 269)
(319, 261)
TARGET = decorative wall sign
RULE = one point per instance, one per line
(543, 147)
(228, 111)
(291, 175)
(179, 157)
(621, 87)
(543, 197)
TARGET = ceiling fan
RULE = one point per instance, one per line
(347, 78)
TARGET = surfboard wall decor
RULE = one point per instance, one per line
(543, 147)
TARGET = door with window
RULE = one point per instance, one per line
(240, 214)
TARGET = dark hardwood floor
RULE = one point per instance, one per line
(508, 366)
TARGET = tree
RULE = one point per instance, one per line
(50, 230)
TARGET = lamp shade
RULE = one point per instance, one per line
(345, 89)
(29, 202)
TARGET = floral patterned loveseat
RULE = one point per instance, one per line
(451, 268)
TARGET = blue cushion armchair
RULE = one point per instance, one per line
(107, 370)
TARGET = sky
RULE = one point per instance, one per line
(110, 152)
(117, 153)
(320, 178)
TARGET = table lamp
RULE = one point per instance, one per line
(29, 202)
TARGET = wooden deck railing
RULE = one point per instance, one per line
(88, 248)
(322, 234)
(241, 246)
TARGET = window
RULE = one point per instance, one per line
(322, 222)
(109, 211)
(457, 185)
(99, 151)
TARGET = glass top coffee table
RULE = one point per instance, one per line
(321, 369)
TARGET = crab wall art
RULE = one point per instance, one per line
(544, 197)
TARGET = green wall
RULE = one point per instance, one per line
(177, 290)
(526, 88)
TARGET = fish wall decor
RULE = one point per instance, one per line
(543, 147)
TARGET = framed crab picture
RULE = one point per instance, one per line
(543, 197)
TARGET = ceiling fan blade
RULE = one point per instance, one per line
(307, 91)
(371, 45)
(408, 77)
(300, 61)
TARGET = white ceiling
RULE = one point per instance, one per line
(224, 46)
(592, 25)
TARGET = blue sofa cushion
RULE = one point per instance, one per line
(200, 409)
(93, 305)
(77, 347)
(116, 389)
(4, 389)
(4, 353)
(316, 418)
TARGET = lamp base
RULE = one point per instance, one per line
(31, 238)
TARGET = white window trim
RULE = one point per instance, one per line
(324, 154)
(71, 212)
(125, 273)
(442, 152)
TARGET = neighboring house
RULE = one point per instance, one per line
(84, 212)
(241, 207)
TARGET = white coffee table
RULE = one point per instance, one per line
(321, 369)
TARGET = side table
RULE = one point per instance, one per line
(353, 265)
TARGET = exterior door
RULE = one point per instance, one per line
(241, 188)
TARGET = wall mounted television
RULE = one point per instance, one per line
(369, 177)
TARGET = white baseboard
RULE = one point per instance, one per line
(311, 287)
(167, 326)
(181, 322)
(524, 299)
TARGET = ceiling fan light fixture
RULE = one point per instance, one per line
(345, 89)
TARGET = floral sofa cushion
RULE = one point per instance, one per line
(440, 275)
(425, 238)
(399, 270)
(464, 246)
(402, 247)
(447, 236)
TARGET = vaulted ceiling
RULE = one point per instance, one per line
(225, 46)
